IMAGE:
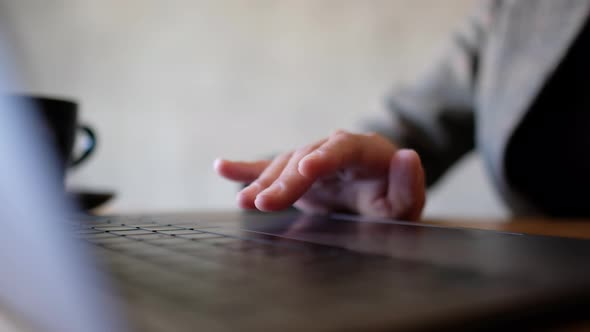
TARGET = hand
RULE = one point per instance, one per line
(359, 173)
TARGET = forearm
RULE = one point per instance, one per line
(434, 114)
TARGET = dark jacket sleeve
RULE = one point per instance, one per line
(435, 113)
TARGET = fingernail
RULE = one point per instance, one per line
(314, 155)
(317, 154)
(274, 189)
(407, 154)
(216, 163)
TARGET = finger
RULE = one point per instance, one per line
(370, 153)
(406, 192)
(290, 185)
(247, 196)
(239, 170)
(328, 194)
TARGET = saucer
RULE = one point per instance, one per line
(88, 200)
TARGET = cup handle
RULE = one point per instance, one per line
(92, 137)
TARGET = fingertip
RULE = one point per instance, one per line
(217, 164)
(262, 203)
(407, 188)
(303, 168)
(406, 163)
(407, 154)
(222, 167)
(268, 203)
(244, 201)
(308, 166)
(407, 158)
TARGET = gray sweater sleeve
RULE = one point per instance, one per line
(435, 113)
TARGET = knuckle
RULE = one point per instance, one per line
(258, 183)
(305, 150)
(373, 135)
(339, 132)
(377, 137)
(343, 137)
(290, 174)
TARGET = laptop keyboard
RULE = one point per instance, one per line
(202, 272)
(144, 251)
(149, 240)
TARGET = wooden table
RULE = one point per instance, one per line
(579, 229)
(552, 227)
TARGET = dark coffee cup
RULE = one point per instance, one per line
(60, 117)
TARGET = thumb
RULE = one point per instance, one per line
(406, 191)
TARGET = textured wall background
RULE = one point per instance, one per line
(170, 85)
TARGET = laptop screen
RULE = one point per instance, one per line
(47, 281)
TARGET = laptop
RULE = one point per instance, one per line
(248, 271)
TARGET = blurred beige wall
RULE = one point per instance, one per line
(170, 85)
